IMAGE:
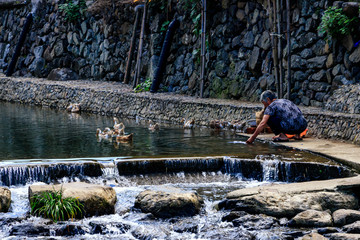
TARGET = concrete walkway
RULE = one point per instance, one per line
(345, 153)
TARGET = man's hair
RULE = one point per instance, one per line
(267, 94)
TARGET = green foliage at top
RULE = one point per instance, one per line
(73, 9)
(143, 87)
(53, 206)
(336, 24)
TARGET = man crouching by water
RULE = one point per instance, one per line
(282, 116)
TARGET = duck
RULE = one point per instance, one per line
(152, 126)
(188, 124)
(125, 138)
(120, 131)
(108, 131)
(101, 134)
(73, 108)
(237, 124)
(217, 124)
(118, 124)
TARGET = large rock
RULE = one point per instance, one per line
(287, 200)
(355, 56)
(314, 236)
(98, 200)
(167, 202)
(248, 40)
(352, 228)
(345, 216)
(312, 218)
(62, 74)
(5, 199)
(344, 236)
(317, 62)
(254, 61)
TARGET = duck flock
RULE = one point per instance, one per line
(117, 132)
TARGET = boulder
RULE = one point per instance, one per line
(345, 216)
(30, 230)
(98, 200)
(351, 9)
(248, 40)
(62, 74)
(352, 228)
(355, 56)
(264, 41)
(312, 218)
(314, 236)
(344, 236)
(317, 62)
(287, 200)
(254, 61)
(168, 202)
(5, 199)
(319, 86)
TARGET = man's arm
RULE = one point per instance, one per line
(259, 129)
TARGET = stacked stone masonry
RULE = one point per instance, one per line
(239, 57)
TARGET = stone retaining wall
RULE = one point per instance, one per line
(113, 98)
(239, 57)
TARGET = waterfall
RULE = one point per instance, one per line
(245, 169)
(271, 170)
(22, 174)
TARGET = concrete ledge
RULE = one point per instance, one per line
(345, 153)
(114, 98)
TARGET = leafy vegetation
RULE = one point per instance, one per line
(52, 205)
(73, 9)
(143, 87)
(336, 24)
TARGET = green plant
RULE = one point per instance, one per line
(52, 205)
(143, 87)
(164, 26)
(73, 9)
(336, 24)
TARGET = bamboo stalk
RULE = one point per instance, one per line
(141, 43)
(273, 45)
(288, 48)
(279, 23)
(132, 43)
(203, 47)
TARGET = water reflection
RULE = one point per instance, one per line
(29, 132)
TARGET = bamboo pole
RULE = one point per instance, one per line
(141, 43)
(273, 44)
(288, 48)
(132, 43)
(203, 47)
(279, 23)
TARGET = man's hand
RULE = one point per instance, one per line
(250, 140)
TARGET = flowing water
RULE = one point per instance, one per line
(31, 136)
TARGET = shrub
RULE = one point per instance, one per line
(336, 24)
(143, 87)
(52, 205)
(73, 9)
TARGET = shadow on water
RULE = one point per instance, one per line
(29, 132)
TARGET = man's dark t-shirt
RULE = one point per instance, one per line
(285, 117)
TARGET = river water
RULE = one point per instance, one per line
(32, 134)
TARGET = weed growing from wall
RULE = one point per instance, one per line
(143, 87)
(73, 9)
(335, 24)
